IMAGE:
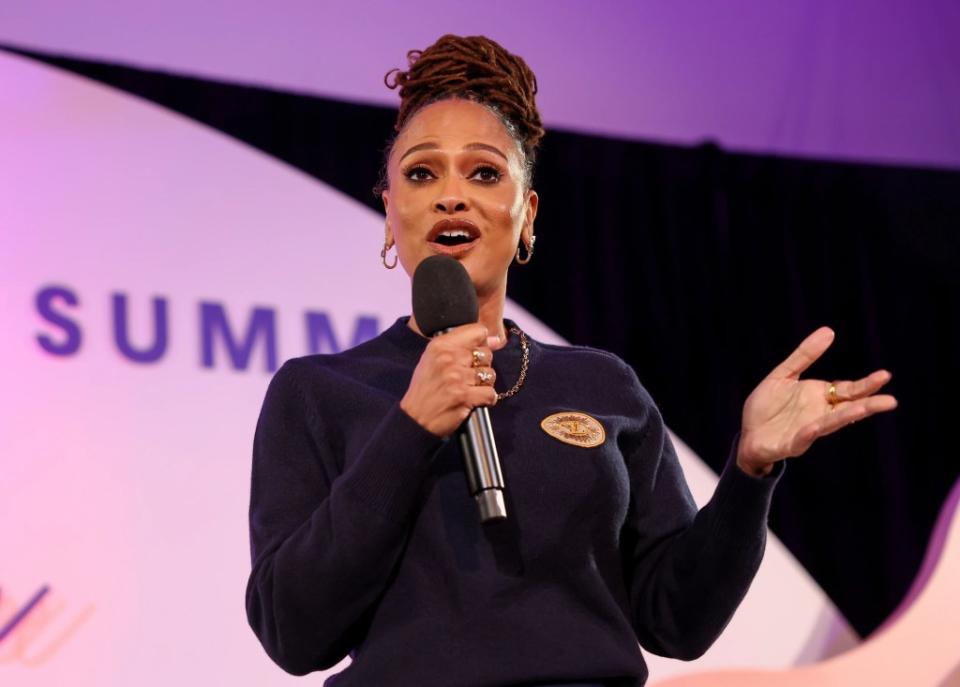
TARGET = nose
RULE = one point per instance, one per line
(451, 198)
(450, 204)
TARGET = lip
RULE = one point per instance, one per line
(451, 224)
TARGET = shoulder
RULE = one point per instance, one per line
(323, 385)
(597, 365)
(349, 363)
(367, 376)
(582, 354)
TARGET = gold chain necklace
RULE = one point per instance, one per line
(524, 363)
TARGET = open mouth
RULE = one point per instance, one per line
(457, 237)
(453, 234)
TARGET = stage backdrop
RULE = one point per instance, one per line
(154, 274)
(855, 80)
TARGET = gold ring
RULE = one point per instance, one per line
(832, 397)
(478, 358)
(484, 377)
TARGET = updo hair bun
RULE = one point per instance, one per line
(474, 68)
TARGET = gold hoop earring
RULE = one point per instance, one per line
(383, 257)
(524, 261)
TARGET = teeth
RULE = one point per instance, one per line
(454, 233)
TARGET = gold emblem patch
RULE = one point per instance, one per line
(576, 429)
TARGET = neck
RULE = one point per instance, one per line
(491, 313)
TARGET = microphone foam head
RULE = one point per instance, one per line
(443, 295)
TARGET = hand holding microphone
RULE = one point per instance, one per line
(452, 384)
(445, 385)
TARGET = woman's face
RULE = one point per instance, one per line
(457, 187)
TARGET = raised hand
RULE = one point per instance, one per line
(784, 415)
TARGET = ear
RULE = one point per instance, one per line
(530, 214)
(387, 231)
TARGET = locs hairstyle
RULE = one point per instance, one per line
(472, 68)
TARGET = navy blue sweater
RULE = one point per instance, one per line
(365, 541)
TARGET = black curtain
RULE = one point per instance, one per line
(704, 269)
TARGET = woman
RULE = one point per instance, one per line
(364, 539)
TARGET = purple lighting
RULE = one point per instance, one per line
(840, 80)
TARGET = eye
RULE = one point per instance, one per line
(418, 173)
(487, 174)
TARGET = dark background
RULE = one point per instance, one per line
(704, 269)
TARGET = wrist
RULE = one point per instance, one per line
(754, 469)
(408, 411)
(752, 465)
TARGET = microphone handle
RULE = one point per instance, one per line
(481, 462)
(482, 465)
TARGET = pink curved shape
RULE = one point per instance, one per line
(918, 645)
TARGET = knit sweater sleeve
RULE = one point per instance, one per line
(687, 571)
(325, 530)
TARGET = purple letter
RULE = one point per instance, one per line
(46, 311)
(320, 331)
(22, 613)
(156, 351)
(213, 317)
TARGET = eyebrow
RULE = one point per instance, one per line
(469, 146)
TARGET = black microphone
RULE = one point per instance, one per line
(443, 298)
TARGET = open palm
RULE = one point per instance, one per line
(784, 415)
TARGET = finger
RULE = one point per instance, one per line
(482, 376)
(478, 356)
(869, 385)
(848, 413)
(481, 396)
(809, 350)
(465, 335)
